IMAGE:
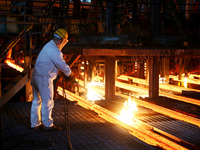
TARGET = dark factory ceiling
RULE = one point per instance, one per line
(143, 25)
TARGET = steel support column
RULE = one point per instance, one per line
(153, 76)
(110, 78)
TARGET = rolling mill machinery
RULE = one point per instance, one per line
(147, 50)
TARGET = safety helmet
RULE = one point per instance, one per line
(62, 33)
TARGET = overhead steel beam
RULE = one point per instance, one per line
(139, 52)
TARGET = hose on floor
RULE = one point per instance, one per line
(66, 113)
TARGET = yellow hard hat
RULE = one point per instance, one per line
(62, 33)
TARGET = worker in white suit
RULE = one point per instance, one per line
(49, 60)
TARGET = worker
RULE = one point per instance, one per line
(49, 60)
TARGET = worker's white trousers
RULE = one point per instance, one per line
(43, 103)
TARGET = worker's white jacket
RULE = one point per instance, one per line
(49, 61)
(47, 64)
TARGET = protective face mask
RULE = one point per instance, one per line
(64, 42)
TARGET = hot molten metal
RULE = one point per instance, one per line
(127, 113)
(17, 67)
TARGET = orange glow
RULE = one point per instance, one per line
(11, 64)
(127, 113)
(91, 94)
(185, 82)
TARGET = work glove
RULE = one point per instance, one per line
(70, 78)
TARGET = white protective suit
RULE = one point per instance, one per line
(49, 60)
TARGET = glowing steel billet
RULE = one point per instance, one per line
(173, 87)
(17, 67)
(136, 130)
(159, 109)
(144, 91)
(168, 87)
(181, 98)
(137, 80)
(190, 79)
(166, 111)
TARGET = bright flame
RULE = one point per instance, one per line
(17, 67)
(185, 82)
(91, 94)
(127, 113)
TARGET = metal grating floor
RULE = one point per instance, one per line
(183, 130)
(88, 131)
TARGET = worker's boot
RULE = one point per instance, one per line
(53, 128)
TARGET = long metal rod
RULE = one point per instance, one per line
(136, 130)
(159, 109)
(172, 88)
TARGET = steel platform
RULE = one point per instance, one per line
(88, 131)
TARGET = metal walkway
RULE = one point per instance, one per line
(88, 130)
(180, 129)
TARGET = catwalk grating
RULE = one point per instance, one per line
(180, 129)
(88, 130)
